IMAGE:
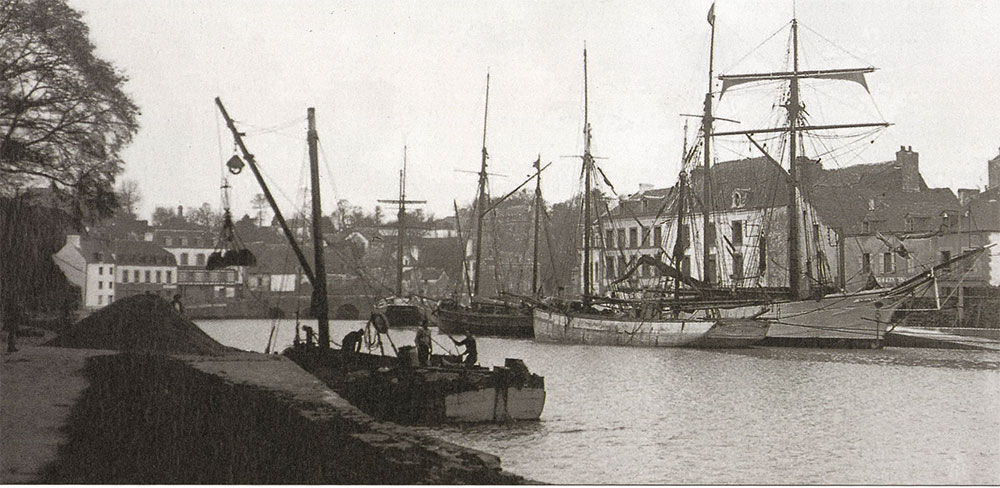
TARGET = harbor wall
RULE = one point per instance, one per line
(242, 418)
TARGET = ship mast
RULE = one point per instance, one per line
(588, 163)
(794, 108)
(481, 203)
(706, 128)
(320, 309)
(538, 211)
(401, 224)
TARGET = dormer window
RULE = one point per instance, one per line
(871, 204)
(740, 197)
(866, 227)
(909, 223)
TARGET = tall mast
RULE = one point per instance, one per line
(481, 202)
(793, 107)
(681, 243)
(401, 227)
(319, 304)
(401, 224)
(538, 211)
(706, 128)
(588, 162)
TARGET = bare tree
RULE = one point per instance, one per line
(260, 204)
(129, 196)
(63, 114)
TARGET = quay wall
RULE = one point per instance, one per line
(242, 418)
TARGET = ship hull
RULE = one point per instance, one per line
(573, 328)
(848, 320)
(517, 323)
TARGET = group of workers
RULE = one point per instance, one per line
(352, 342)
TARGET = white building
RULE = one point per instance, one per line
(90, 265)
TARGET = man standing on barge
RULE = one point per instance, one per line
(423, 341)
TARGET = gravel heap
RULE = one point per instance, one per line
(138, 323)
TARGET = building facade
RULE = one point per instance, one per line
(90, 265)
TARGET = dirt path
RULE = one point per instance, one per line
(38, 387)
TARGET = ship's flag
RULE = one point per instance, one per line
(711, 15)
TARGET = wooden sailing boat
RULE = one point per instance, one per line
(395, 387)
(399, 310)
(595, 321)
(806, 314)
(491, 317)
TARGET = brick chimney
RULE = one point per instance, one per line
(908, 163)
(73, 240)
(966, 194)
(993, 169)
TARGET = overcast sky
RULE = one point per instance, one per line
(386, 74)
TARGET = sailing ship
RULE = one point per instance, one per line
(504, 317)
(599, 321)
(808, 311)
(399, 310)
(395, 385)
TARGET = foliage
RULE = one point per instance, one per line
(64, 116)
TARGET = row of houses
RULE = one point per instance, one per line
(871, 221)
(127, 257)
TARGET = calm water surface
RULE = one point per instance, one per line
(761, 415)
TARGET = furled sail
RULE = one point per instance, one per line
(856, 75)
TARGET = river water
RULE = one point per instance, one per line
(750, 416)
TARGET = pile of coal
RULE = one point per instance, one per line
(139, 323)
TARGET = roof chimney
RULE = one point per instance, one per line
(180, 210)
(908, 163)
(73, 240)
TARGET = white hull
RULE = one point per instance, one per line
(853, 316)
(495, 404)
(551, 326)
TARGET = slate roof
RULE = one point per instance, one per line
(844, 197)
(142, 253)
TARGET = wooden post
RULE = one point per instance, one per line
(319, 298)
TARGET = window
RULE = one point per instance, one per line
(158, 276)
(184, 259)
(866, 263)
(633, 237)
(200, 259)
(100, 299)
(712, 269)
(866, 227)
(168, 241)
(135, 276)
(909, 223)
(710, 234)
(184, 241)
(125, 276)
(658, 236)
(645, 236)
(945, 257)
(610, 237)
(100, 285)
(168, 276)
(887, 265)
(737, 239)
(147, 276)
(737, 267)
(610, 266)
(111, 284)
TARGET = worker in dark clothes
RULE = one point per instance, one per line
(470, 353)
(310, 336)
(423, 342)
(178, 306)
(352, 341)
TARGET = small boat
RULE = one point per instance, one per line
(395, 312)
(485, 319)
